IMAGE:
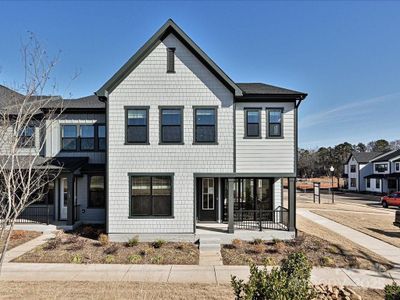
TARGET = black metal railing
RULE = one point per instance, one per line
(36, 214)
(277, 219)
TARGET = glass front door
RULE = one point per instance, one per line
(207, 191)
(63, 198)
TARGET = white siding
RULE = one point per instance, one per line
(265, 155)
(150, 85)
(353, 174)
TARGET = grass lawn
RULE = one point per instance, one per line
(83, 247)
(19, 237)
(320, 252)
(379, 226)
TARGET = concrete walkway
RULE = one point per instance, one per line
(179, 274)
(381, 248)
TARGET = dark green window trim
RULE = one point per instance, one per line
(246, 123)
(281, 110)
(146, 108)
(151, 175)
(215, 108)
(182, 138)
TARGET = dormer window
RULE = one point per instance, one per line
(170, 60)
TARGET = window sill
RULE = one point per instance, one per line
(205, 143)
(161, 143)
(134, 144)
(275, 137)
(171, 72)
(252, 137)
(151, 217)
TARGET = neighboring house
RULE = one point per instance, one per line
(185, 145)
(356, 168)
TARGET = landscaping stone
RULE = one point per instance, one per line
(334, 292)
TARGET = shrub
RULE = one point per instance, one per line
(103, 239)
(133, 242)
(109, 259)
(158, 243)
(158, 259)
(78, 245)
(111, 249)
(280, 246)
(291, 281)
(269, 261)
(52, 244)
(76, 259)
(236, 243)
(392, 291)
(258, 241)
(259, 248)
(327, 261)
(134, 258)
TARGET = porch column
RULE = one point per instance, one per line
(70, 199)
(292, 203)
(231, 226)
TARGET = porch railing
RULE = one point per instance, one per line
(260, 219)
(36, 214)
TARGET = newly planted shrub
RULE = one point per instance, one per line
(103, 239)
(327, 261)
(158, 259)
(291, 281)
(52, 244)
(158, 243)
(113, 249)
(258, 241)
(76, 259)
(134, 258)
(109, 259)
(392, 291)
(133, 242)
(236, 243)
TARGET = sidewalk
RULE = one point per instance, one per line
(381, 248)
(179, 274)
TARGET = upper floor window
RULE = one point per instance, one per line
(205, 125)
(101, 133)
(274, 129)
(87, 137)
(352, 168)
(69, 135)
(171, 121)
(26, 137)
(397, 166)
(170, 60)
(96, 191)
(381, 168)
(137, 126)
(253, 121)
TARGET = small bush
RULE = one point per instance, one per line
(76, 259)
(103, 239)
(158, 259)
(392, 291)
(133, 242)
(134, 258)
(78, 245)
(280, 246)
(54, 243)
(327, 261)
(109, 259)
(158, 244)
(291, 281)
(258, 241)
(113, 249)
(236, 243)
(269, 261)
(259, 248)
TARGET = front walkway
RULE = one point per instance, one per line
(381, 248)
(179, 274)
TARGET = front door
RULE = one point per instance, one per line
(63, 198)
(207, 194)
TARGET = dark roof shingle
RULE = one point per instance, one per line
(388, 156)
(258, 88)
(365, 157)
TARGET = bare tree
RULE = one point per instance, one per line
(25, 117)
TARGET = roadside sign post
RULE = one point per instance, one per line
(317, 194)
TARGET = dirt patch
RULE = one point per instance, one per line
(379, 226)
(85, 246)
(19, 237)
(320, 252)
(112, 290)
(369, 294)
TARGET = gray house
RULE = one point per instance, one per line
(178, 144)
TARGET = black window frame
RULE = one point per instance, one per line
(99, 138)
(171, 60)
(195, 125)
(355, 182)
(78, 137)
(89, 203)
(127, 109)
(273, 109)
(397, 166)
(377, 164)
(27, 141)
(368, 183)
(161, 125)
(351, 169)
(151, 175)
(377, 183)
(246, 123)
(70, 138)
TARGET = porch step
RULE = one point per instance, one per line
(210, 252)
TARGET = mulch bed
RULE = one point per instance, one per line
(19, 237)
(89, 246)
(320, 252)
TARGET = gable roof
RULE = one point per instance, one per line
(388, 156)
(153, 42)
(363, 157)
(257, 89)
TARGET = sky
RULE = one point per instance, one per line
(344, 54)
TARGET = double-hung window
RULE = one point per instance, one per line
(69, 136)
(101, 137)
(171, 122)
(86, 137)
(274, 129)
(96, 191)
(151, 196)
(253, 121)
(352, 168)
(205, 125)
(26, 137)
(137, 126)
